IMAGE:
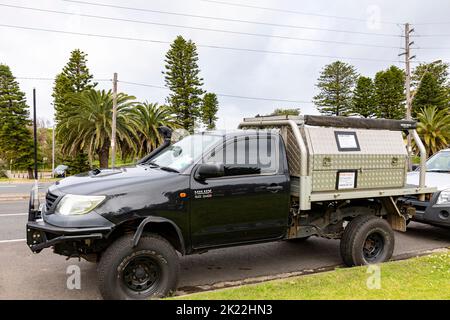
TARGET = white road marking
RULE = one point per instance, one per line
(12, 240)
(12, 214)
(12, 186)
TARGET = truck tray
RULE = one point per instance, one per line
(358, 194)
(339, 158)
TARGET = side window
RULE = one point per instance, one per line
(257, 154)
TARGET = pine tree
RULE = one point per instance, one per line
(336, 82)
(182, 78)
(78, 163)
(389, 93)
(209, 108)
(364, 103)
(74, 78)
(438, 69)
(16, 140)
(429, 93)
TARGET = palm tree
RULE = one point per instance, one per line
(147, 117)
(434, 128)
(90, 128)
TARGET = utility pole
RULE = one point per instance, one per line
(114, 117)
(53, 150)
(408, 58)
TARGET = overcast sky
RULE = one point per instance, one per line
(228, 72)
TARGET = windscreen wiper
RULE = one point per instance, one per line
(169, 169)
(155, 165)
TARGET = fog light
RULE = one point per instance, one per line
(444, 214)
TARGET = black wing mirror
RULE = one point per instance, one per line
(209, 170)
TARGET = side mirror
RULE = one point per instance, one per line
(210, 170)
(414, 167)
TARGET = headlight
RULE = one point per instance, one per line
(72, 204)
(444, 197)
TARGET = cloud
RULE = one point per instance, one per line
(42, 54)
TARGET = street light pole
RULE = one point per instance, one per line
(35, 136)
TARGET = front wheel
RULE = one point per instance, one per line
(149, 270)
(367, 240)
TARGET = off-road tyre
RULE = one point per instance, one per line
(367, 240)
(148, 271)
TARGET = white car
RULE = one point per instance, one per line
(435, 211)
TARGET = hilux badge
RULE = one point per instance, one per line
(202, 194)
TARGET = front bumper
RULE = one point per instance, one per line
(430, 212)
(41, 234)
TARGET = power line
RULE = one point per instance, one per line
(165, 88)
(197, 28)
(432, 23)
(52, 79)
(230, 19)
(417, 35)
(35, 78)
(432, 35)
(432, 48)
(290, 11)
(220, 94)
(198, 45)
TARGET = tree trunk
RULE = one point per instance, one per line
(30, 173)
(103, 156)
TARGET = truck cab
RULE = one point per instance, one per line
(208, 190)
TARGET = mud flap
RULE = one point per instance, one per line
(394, 217)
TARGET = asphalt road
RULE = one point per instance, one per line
(21, 188)
(24, 275)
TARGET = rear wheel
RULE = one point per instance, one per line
(149, 270)
(367, 240)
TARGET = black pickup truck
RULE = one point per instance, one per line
(206, 191)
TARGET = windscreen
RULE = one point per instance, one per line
(440, 162)
(182, 154)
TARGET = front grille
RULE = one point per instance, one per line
(50, 199)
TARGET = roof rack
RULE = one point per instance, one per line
(340, 122)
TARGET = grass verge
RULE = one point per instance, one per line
(426, 277)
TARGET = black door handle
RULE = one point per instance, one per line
(274, 188)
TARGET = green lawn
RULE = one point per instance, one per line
(426, 277)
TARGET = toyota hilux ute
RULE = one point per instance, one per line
(435, 210)
(277, 178)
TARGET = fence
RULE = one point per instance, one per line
(24, 174)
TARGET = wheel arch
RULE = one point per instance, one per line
(165, 228)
